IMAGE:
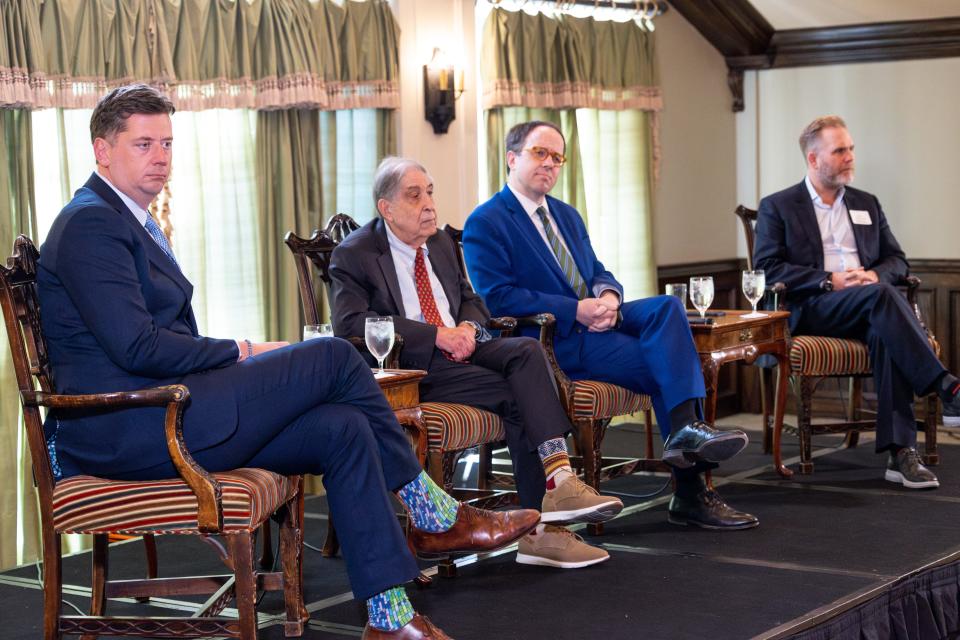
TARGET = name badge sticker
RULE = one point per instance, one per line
(859, 216)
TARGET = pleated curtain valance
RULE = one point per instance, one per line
(206, 54)
(567, 63)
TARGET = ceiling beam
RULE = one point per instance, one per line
(747, 41)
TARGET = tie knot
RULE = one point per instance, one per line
(542, 212)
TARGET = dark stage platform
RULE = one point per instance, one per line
(838, 554)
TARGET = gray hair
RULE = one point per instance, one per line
(386, 181)
(811, 133)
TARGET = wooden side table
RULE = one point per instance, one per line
(732, 337)
(402, 390)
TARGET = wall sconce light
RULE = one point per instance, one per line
(441, 88)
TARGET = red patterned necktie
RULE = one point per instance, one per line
(428, 304)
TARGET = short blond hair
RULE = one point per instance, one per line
(811, 133)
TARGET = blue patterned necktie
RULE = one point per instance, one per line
(157, 234)
(567, 264)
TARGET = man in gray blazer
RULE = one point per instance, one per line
(399, 266)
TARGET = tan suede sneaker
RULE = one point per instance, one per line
(558, 547)
(573, 501)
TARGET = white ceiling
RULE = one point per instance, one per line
(802, 14)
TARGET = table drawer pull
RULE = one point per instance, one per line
(746, 334)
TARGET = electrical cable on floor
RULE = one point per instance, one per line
(642, 496)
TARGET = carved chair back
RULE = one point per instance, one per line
(21, 313)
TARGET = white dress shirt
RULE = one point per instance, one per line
(836, 231)
(403, 259)
(138, 212)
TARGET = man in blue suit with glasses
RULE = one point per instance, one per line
(529, 253)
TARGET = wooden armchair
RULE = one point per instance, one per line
(814, 359)
(446, 430)
(591, 406)
(192, 504)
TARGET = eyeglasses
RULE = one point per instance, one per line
(541, 154)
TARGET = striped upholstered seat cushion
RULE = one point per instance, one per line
(820, 356)
(85, 504)
(604, 400)
(451, 427)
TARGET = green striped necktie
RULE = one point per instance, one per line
(563, 257)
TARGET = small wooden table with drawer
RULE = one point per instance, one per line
(402, 390)
(732, 337)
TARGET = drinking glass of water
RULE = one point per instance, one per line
(311, 331)
(378, 334)
(753, 283)
(678, 290)
(701, 293)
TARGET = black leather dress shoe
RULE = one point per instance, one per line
(708, 510)
(700, 441)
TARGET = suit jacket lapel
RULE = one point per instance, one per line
(387, 269)
(807, 219)
(154, 253)
(529, 231)
(861, 233)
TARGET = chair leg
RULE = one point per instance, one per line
(150, 551)
(586, 436)
(266, 561)
(331, 544)
(765, 391)
(854, 402)
(804, 423)
(245, 586)
(291, 561)
(484, 466)
(931, 457)
(100, 569)
(648, 423)
(52, 584)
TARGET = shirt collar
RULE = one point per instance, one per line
(528, 205)
(405, 250)
(135, 209)
(817, 200)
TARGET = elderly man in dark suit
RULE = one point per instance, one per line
(831, 245)
(398, 265)
(116, 313)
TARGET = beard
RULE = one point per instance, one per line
(835, 179)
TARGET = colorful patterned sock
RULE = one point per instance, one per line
(430, 508)
(556, 462)
(389, 610)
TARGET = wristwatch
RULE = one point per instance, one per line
(827, 284)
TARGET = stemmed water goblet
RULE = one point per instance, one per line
(701, 293)
(753, 283)
(378, 334)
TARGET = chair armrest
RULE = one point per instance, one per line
(504, 324)
(174, 397)
(912, 283)
(547, 323)
(774, 297)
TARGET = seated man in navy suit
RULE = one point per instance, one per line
(398, 265)
(529, 253)
(831, 245)
(116, 313)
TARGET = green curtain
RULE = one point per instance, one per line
(18, 513)
(288, 186)
(596, 80)
(263, 54)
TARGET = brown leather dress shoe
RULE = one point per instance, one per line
(475, 530)
(418, 628)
